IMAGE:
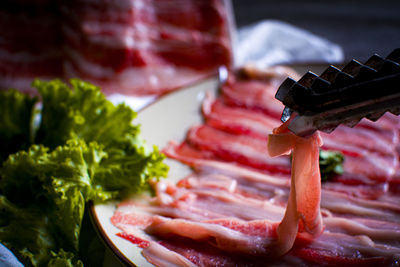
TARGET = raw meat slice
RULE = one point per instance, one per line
(231, 208)
(128, 47)
(253, 95)
(237, 120)
(325, 247)
(303, 208)
(378, 161)
(383, 140)
(240, 149)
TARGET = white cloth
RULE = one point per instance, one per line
(272, 42)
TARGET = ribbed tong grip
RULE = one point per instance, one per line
(342, 96)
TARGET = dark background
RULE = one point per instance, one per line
(361, 28)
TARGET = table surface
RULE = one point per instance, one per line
(361, 28)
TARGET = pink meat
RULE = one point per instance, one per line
(303, 208)
(136, 47)
(383, 139)
(239, 208)
(241, 149)
(375, 161)
(237, 120)
(256, 95)
(227, 231)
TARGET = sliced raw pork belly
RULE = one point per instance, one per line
(132, 47)
(240, 207)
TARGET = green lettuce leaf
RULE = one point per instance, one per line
(63, 259)
(15, 122)
(136, 170)
(84, 113)
(57, 182)
(86, 149)
(330, 164)
(29, 233)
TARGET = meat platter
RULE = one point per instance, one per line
(219, 137)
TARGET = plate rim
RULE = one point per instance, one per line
(104, 237)
(200, 86)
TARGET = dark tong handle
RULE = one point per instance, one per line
(327, 121)
(359, 90)
(334, 88)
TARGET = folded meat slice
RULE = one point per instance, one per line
(159, 255)
(335, 249)
(252, 94)
(340, 203)
(236, 148)
(237, 120)
(240, 239)
(380, 141)
(303, 209)
(375, 166)
(387, 233)
(255, 89)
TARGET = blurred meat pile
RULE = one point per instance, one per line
(133, 47)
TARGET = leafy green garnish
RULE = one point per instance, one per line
(26, 231)
(330, 164)
(15, 122)
(83, 113)
(85, 149)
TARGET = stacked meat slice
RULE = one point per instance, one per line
(228, 210)
(135, 47)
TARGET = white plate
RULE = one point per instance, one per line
(167, 119)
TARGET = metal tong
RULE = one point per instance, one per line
(342, 96)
